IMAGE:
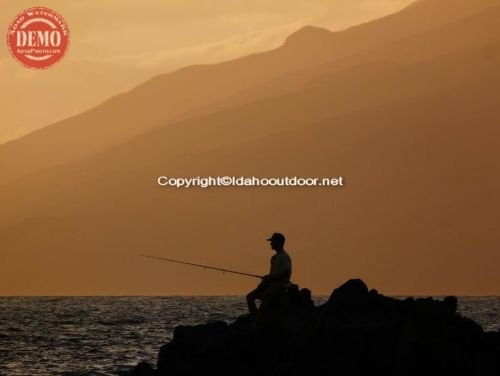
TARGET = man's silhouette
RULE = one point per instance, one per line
(273, 285)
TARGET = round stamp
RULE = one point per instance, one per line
(38, 38)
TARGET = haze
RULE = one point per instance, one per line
(116, 45)
(404, 107)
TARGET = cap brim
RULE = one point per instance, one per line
(269, 239)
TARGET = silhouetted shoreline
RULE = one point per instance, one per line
(356, 332)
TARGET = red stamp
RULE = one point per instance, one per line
(38, 38)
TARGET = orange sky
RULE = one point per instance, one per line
(404, 108)
(117, 44)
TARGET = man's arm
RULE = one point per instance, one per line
(280, 275)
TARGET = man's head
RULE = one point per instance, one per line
(277, 241)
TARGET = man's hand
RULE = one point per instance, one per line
(265, 281)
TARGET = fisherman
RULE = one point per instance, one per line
(274, 284)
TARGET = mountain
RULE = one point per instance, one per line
(186, 92)
(410, 123)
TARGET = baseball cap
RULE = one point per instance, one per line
(277, 236)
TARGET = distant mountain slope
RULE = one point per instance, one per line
(177, 95)
(420, 199)
(333, 93)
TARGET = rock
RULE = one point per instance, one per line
(352, 289)
(143, 369)
(356, 332)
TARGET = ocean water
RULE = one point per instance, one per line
(108, 335)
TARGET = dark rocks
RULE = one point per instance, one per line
(356, 332)
(143, 369)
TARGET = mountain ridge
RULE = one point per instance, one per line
(100, 120)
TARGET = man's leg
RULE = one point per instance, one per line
(251, 298)
(268, 311)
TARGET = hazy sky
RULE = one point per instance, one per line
(116, 44)
(404, 116)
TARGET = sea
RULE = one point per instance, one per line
(97, 336)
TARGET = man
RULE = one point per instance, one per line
(273, 285)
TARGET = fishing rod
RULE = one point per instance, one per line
(203, 266)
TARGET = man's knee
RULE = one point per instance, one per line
(250, 297)
(253, 295)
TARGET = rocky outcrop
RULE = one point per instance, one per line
(356, 332)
